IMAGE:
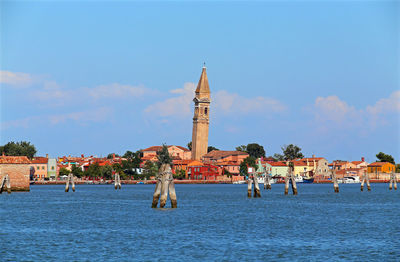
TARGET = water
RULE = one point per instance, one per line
(211, 223)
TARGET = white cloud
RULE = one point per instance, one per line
(331, 108)
(386, 105)
(230, 103)
(222, 102)
(179, 106)
(94, 115)
(16, 79)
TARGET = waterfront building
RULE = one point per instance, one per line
(381, 167)
(18, 170)
(201, 118)
(279, 169)
(341, 165)
(52, 168)
(202, 171)
(311, 166)
(40, 164)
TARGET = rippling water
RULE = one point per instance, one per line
(211, 223)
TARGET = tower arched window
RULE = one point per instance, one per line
(205, 111)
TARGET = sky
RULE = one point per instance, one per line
(96, 77)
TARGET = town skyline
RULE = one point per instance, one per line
(96, 86)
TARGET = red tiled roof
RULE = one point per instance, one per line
(39, 160)
(222, 154)
(280, 163)
(357, 162)
(379, 164)
(14, 160)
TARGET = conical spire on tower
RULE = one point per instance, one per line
(203, 89)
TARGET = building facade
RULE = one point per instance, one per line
(18, 170)
(201, 119)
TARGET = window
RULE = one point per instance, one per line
(52, 168)
(205, 111)
(42, 167)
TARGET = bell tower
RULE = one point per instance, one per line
(201, 117)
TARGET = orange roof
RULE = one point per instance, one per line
(216, 154)
(379, 164)
(357, 162)
(14, 160)
(39, 160)
(279, 163)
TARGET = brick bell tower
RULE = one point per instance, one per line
(201, 117)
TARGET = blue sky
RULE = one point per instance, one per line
(100, 77)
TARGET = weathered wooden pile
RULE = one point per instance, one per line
(70, 180)
(365, 179)
(393, 181)
(5, 182)
(165, 184)
(117, 181)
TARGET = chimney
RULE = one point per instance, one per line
(313, 156)
(363, 159)
(47, 155)
(3, 154)
(113, 155)
(82, 156)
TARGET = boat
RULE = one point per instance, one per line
(349, 180)
(308, 180)
(239, 182)
(260, 180)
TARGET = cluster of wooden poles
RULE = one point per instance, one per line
(291, 179)
(165, 184)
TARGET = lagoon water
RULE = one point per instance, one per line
(211, 223)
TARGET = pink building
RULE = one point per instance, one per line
(177, 152)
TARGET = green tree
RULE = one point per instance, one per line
(163, 156)
(255, 150)
(211, 148)
(22, 148)
(106, 172)
(247, 162)
(278, 157)
(189, 145)
(110, 156)
(226, 173)
(291, 152)
(398, 168)
(149, 169)
(77, 171)
(119, 169)
(93, 170)
(385, 157)
(129, 155)
(179, 174)
(64, 172)
(242, 148)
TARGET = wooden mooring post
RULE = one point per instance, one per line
(365, 179)
(117, 181)
(165, 184)
(5, 182)
(70, 180)
(253, 178)
(334, 181)
(393, 181)
(290, 178)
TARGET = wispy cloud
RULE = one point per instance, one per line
(101, 114)
(116, 90)
(332, 112)
(179, 106)
(16, 79)
(223, 102)
(231, 103)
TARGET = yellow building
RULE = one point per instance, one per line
(308, 167)
(381, 167)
